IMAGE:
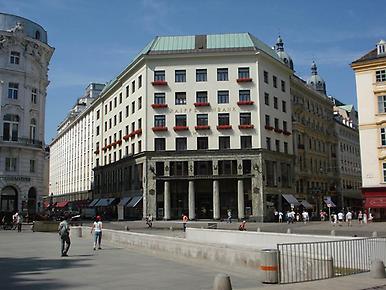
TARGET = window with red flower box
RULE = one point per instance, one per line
(138, 132)
(270, 128)
(244, 80)
(224, 127)
(245, 103)
(202, 104)
(278, 130)
(287, 133)
(159, 106)
(202, 127)
(246, 126)
(159, 129)
(180, 128)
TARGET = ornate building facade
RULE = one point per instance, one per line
(24, 60)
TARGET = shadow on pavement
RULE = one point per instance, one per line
(23, 273)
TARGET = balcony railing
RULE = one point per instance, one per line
(246, 126)
(224, 127)
(245, 103)
(159, 129)
(159, 106)
(202, 127)
(244, 80)
(159, 83)
(22, 141)
(180, 128)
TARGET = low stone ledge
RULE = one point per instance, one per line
(45, 226)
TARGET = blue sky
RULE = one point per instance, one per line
(94, 40)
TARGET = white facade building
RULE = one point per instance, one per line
(24, 59)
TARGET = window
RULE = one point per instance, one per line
(15, 57)
(266, 99)
(127, 111)
(105, 126)
(180, 76)
(285, 126)
(180, 98)
(34, 96)
(115, 102)
(159, 121)
(120, 98)
(223, 97)
(10, 127)
(159, 98)
(159, 75)
(245, 118)
(133, 87)
(286, 147)
(243, 72)
(132, 126)
(32, 130)
(275, 103)
(283, 86)
(246, 142)
(268, 143)
(383, 136)
(384, 171)
(201, 97)
(276, 123)
(201, 75)
(139, 146)
(10, 163)
(266, 77)
(202, 119)
(223, 119)
(159, 144)
(274, 81)
(277, 145)
(139, 124)
(115, 120)
(284, 106)
(132, 107)
(32, 166)
(111, 105)
(244, 95)
(181, 143)
(127, 91)
(13, 89)
(105, 109)
(120, 117)
(139, 103)
(98, 114)
(181, 120)
(224, 142)
(380, 75)
(222, 74)
(140, 81)
(382, 104)
(267, 120)
(202, 143)
(37, 35)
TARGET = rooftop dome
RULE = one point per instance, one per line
(284, 56)
(315, 80)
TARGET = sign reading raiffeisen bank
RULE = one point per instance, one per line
(16, 178)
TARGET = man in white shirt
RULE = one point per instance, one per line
(349, 218)
(340, 218)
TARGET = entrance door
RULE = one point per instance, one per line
(8, 199)
(31, 205)
(204, 199)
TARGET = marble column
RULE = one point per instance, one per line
(216, 200)
(167, 201)
(192, 201)
(240, 199)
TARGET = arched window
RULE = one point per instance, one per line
(10, 127)
(32, 129)
(37, 34)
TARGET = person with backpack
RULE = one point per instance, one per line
(64, 234)
(97, 227)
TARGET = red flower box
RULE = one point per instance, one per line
(268, 127)
(138, 132)
(244, 80)
(126, 137)
(109, 146)
(278, 130)
(202, 127)
(224, 127)
(249, 126)
(245, 103)
(159, 83)
(287, 133)
(104, 148)
(159, 106)
(202, 104)
(119, 142)
(114, 144)
(180, 128)
(159, 129)
(96, 152)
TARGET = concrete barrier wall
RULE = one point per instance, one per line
(177, 247)
(255, 240)
(45, 226)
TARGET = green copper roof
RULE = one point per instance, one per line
(173, 43)
(233, 40)
(347, 108)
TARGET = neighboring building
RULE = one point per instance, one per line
(24, 59)
(71, 151)
(370, 74)
(348, 155)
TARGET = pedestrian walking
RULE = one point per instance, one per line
(19, 222)
(365, 217)
(229, 219)
(14, 220)
(305, 216)
(349, 218)
(97, 228)
(280, 217)
(149, 220)
(242, 226)
(64, 234)
(340, 218)
(184, 221)
(360, 217)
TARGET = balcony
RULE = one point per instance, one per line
(159, 129)
(201, 104)
(268, 127)
(159, 83)
(23, 142)
(180, 128)
(245, 103)
(202, 127)
(246, 126)
(244, 80)
(224, 127)
(159, 106)
(278, 130)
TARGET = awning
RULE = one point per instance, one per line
(124, 201)
(93, 203)
(62, 204)
(329, 202)
(375, 202)
(134, 201)
(105, 201)
(306, 204)
(291, 199)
